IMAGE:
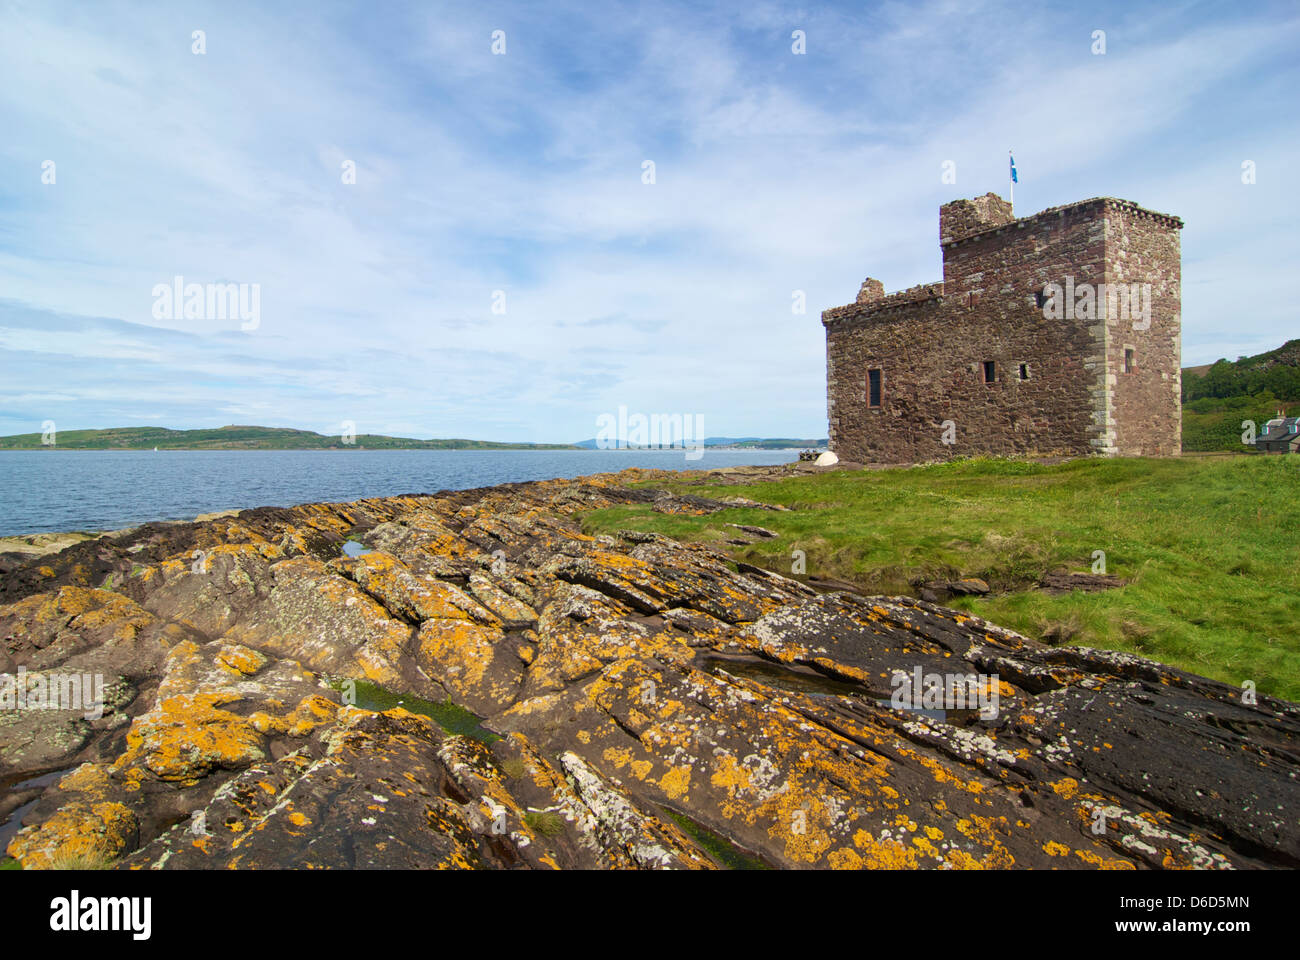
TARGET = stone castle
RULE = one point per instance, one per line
(1052, 334)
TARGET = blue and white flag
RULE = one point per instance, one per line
(1014, 178)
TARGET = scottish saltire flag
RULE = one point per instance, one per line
(1014, 178)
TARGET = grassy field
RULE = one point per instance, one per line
(1210, 547)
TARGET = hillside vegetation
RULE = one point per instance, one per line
(1210, 548)
(1217, 401)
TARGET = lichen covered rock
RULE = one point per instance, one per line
(645, 704)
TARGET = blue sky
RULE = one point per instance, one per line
(522, 173)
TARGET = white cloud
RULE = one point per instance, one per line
(523, 173)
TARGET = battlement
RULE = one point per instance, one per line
(969, 225)
(872, 300)
(964, 218)
(963, 222)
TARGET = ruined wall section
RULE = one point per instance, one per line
(899, 341)
(961, 218)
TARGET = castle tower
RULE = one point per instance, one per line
(1053, 334)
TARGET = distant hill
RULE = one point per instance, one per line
(246, 438)
(1219, 397)
(1276, 371)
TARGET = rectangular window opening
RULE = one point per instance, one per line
(873, 388)
(990, 371)
(1024, 371)
(1130, 361)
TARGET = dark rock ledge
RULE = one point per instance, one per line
(645, 695)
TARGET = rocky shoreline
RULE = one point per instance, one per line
(644, 703)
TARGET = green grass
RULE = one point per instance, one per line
(723, 851)
(9, 863)
(82, 861)
(544, 823)
(514, 768)
(1210, 545)
(449, 716)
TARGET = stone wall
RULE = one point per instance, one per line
(1147, 402)
(1071, 395)
(961, 218)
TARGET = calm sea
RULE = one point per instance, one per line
(60, 490)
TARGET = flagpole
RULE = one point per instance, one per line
(1012, 180)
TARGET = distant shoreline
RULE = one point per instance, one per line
(243, 437)
(360, 449)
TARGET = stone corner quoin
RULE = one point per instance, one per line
(1053, 334)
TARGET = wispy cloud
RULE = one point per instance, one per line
(515, 181)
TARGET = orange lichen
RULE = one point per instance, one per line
(78, 834)
(676, 782)
(240, 659)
